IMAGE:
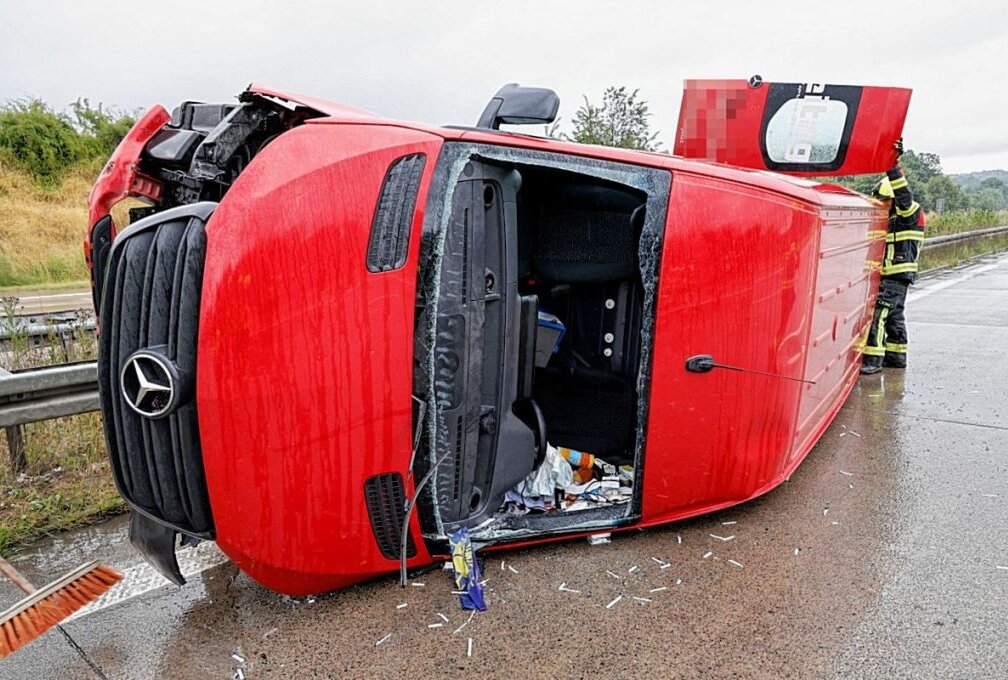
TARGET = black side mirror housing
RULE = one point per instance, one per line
(517, 105)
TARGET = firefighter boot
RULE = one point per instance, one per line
(871, 365)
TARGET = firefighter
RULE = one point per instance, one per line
(886, 343)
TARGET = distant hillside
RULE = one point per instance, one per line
(971, 180)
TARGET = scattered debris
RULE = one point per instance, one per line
(990, 495)
(825, 511)
(502, 565)
(599, 539)
(678, 539)
(471, 615)
(722, 538)
(563, 587)
(797, 550)
(615, 576)
(998, 566)
(707, 554)
(310, 599)
(435, 625)
(849, 474)
(641, 599)
(678, 581)
(402, 605)
(239, 674)
(512, 569)
(665, 566)
(658, 590)
(239, 658)
(269, 632)
(469, 647)
(443, 617)
(613, 603)
(835, 523)
(383, 639)
(657, 561)
(737, 564)
(417, 584)
(728, 524)
(632, 569)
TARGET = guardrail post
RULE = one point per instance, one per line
(16, 448)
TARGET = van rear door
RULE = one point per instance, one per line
(793, 128)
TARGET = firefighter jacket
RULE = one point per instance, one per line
(906, 231)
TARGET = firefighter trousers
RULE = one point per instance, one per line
(886, 343)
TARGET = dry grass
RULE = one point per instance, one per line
(42, 230)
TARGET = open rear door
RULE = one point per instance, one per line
(794, 128)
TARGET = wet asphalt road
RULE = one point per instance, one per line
(884, 556)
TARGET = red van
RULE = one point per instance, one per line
(328, 326)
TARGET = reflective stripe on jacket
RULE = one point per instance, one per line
(906, 231)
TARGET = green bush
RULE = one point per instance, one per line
(38, 140)
(45, 143)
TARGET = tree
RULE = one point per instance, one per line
(621, 120)
(942, 187)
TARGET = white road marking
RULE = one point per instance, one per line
(942, 285)
(142, 578)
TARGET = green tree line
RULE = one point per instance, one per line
(45, 143)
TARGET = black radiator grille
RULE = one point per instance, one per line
(393, 217)
(386, 504)
(151, 301)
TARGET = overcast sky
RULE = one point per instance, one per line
(439, 62)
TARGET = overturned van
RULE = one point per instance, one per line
(331, 339)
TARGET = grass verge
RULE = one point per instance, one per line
(68, 481)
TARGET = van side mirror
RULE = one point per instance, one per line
(519, 105)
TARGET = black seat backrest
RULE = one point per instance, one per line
(587, 237)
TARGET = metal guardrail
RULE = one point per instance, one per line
(41, 394)
(962, 236)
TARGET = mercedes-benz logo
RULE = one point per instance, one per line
(148, 384)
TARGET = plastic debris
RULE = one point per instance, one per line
(563, 587)
(239, 674)
(469, 647)
(998, 566)
(737, 564)
(632, 569)
(728, 524)
(417, 584)
(658, 590)
(849, 474)
(613, 603)
(641, 599)
(678, 539)
(665, 566)
(238, 658)
(657, 561)
(722, 538)
(678, 581)
(435, 625)
(310, 599)
(471, 615)
(825, 511)
(615, 576)
(797, 550)
(599, 539)
(442, 617)
(402, 605)
(707, 554)
(383, 639)
(467, 571)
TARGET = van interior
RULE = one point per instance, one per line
(536, 340)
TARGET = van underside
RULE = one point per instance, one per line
(533, 331)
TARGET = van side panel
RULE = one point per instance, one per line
(305, 356)
(738, 265)
(847, 282)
